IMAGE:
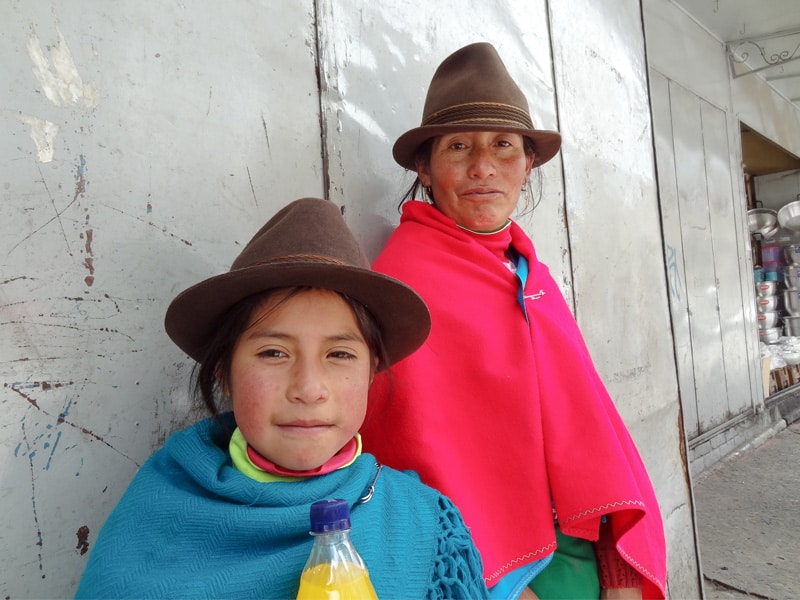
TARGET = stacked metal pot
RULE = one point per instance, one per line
(767, 298)
(791, 295)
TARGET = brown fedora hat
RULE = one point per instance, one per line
(472, 91)
(307, 243)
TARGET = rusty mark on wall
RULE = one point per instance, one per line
(88, 234)
(83, 539)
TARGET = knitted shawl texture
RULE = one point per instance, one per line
(191, 526)
(506, 416)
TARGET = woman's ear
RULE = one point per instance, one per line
(424, 173)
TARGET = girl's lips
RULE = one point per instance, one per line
(305, 427)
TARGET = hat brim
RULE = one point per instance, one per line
(547, 142)
(401, 314)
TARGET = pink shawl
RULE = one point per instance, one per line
(508, 418)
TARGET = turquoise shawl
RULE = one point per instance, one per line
(191, 526)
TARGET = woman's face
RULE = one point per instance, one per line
(476, 177)
(299, 379)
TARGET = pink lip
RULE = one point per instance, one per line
(305, 426)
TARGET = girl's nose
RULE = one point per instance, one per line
(307, 383)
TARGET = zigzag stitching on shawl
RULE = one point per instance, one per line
(627, 556)
(603, 507)
(506, 567)
(642, 570)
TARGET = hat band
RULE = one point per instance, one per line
(291, 258)
(481, 112)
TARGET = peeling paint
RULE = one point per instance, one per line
(43, 133)
(58, 75)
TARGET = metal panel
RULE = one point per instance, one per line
(141, 143)
(727, 247)
(701, 281)
(673, 248)
(612, 205)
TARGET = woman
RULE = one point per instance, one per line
(292, 335)
(502, 409)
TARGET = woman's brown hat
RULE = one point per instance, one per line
(472, 91)
(307, 243)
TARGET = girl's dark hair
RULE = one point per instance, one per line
(211, 375)
(416, 190)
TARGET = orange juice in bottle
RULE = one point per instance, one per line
(334, 570)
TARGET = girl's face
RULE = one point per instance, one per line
(476, 177)
(299, 378)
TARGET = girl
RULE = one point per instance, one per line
(292, 335)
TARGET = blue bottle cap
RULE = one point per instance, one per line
(330, 515)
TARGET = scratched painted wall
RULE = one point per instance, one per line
(142, 143)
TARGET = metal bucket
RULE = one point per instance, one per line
(791, 301)
(767, 320)
(791, 326)
(791, 253)
(791, 275)
(769, 336)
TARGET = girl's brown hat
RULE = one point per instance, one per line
(472, 91)
(307, 243)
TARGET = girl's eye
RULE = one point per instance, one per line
(342, 354)
(272, 353)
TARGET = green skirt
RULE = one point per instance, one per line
(572, 574)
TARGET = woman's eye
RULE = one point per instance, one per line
(457, 146)
(271, 353)
(342, 354)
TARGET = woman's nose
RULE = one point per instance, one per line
(307, 383)
(481, 163)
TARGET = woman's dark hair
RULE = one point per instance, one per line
(211, 375)
(416, 190)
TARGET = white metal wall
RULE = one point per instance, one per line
(697, 108)
(144, 142)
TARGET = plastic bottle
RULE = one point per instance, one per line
(334, 570)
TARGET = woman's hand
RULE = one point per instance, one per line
(620, 594)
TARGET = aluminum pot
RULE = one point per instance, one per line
(791, 326)
(791, 301)
(791, 253)
(789, 216)
(766, 288)
(791, 275)
(767, 303)
(766, 320)
(763, 221)
(769, 336)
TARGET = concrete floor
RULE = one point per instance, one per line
(748, 519)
